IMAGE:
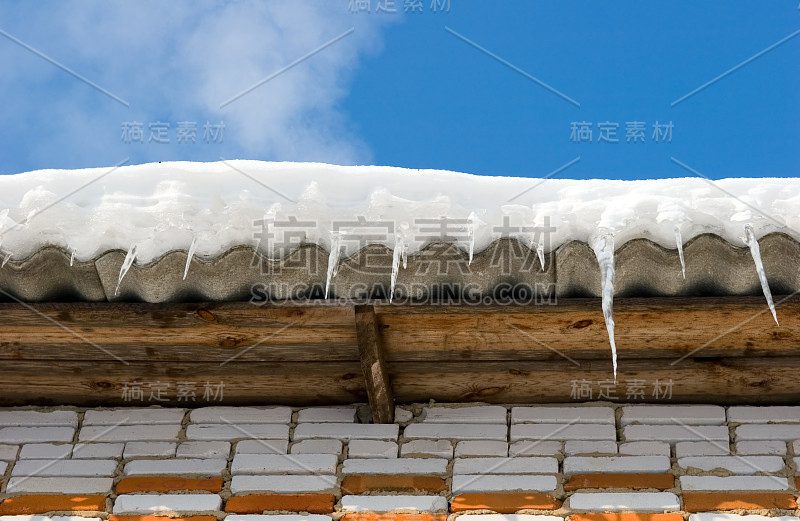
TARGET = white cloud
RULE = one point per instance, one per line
(180, 60)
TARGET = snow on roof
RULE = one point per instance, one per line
(210, 208)
(160, 207)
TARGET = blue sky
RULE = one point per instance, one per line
(457, 86)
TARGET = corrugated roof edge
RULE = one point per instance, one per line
(506, 269)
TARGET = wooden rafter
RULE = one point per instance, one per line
(376, 378)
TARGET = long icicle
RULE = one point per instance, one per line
(189, 255)
(398, 254)
(333, 260)
(604, 251)
(126, 265)
(539, 251)
(755, 251)
(679, 242)
(473, 225)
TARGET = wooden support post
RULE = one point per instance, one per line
(373, 366)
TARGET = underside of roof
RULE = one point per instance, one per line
(507, 269)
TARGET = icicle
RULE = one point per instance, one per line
(126, 265)
(333, 260)
(679, 242)
(398, 254)
(8, 257)
(539, 251)
(755, 251)
(192, 248)
(604, 250)
(72, 257)
(473, 224)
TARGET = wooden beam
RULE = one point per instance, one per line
(376, 378)
(93, 383)
(666, 328)
(742, 380)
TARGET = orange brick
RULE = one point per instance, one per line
(504, 503)
(161, 518)
(393, 517)
(40, 504)
(258, 503)
(361, 484)
(168, 484)
(626, 517)
(634, 481)
(704, 501)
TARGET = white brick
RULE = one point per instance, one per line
(98, 450)
(508, 517)
(701, 448)
(555, 431)
(346, 431)
(152, 503)
(227, 415)
(3, 467)
(134, 416)
(130, 433)
(733, 483)
(541, 414)
(16, 418)
(327, 415)
(535, 448)
(675, 433)
(69, 485)
(475, 414)
(262, 447)
(774, 414)
(45, 451)
(616, 464)
(796, 462)
(470, 483)
(402, 415)
(275, 517)
(673, 414)
(371, 449)
(138, 449)
(317, 447)
(205, 467)
(35, 434)
(734, 464)
(621, 501)
(204, 449)
(393, 503)
(590, 447)
(264, 431)
(8, 452)
(644, 448)
(284, 464)
(282, 484)
(481, 448)
(519, 465)
(719, 516)
(767, 432)
(414, 466)
(456, 431)
(89, 468)
(761, 447)
(435, 448)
